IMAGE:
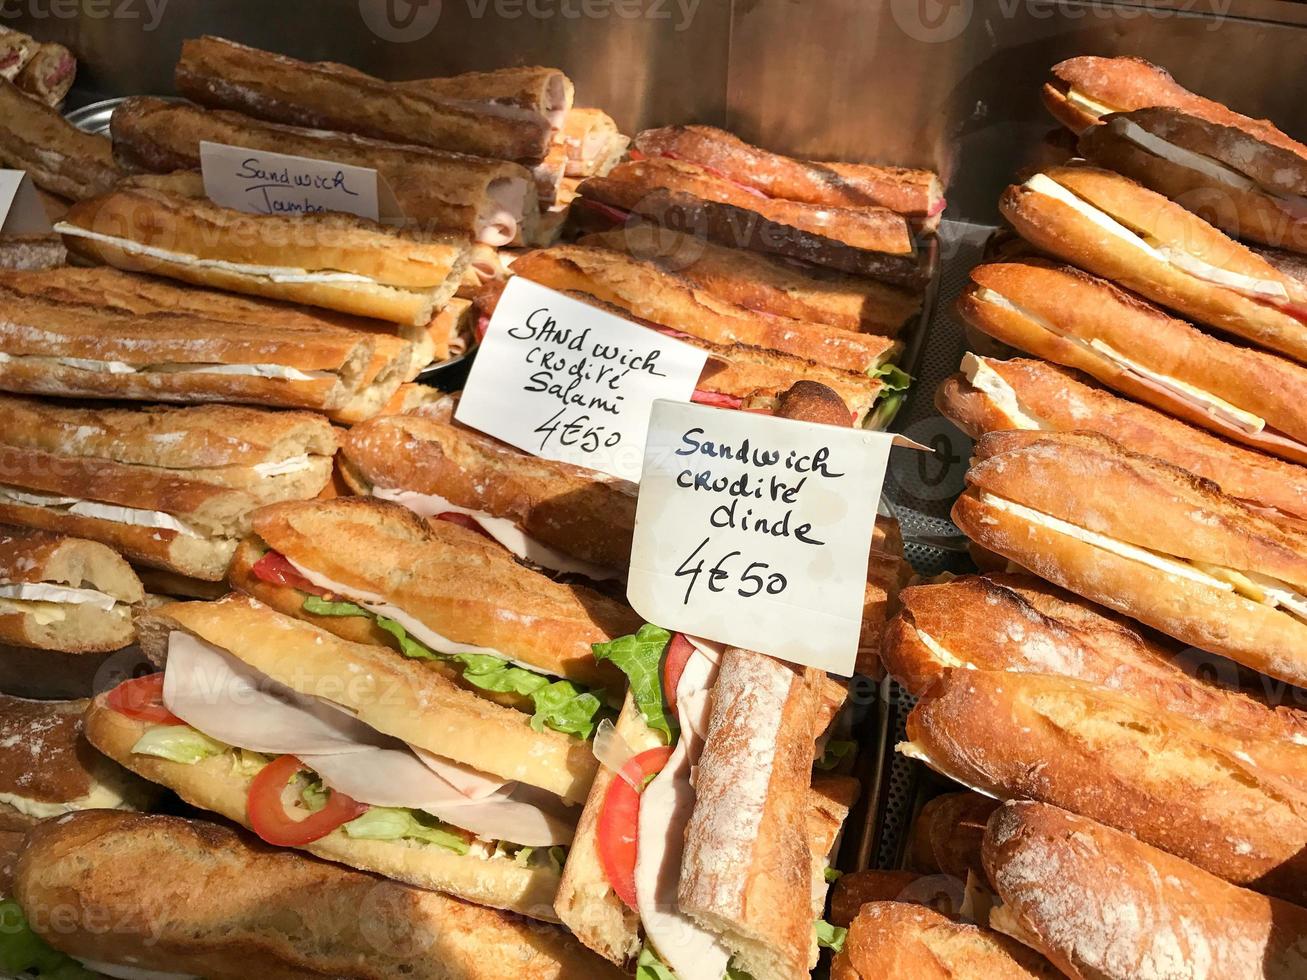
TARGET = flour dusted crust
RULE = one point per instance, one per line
(58, 156)
(1232, 804)
(1064, 401)
(1099, 903)
(215, 784)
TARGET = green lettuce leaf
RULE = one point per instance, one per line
(894, 393)
(832, 875)
(24, 952)
(650, 967)
(829, 936)
(834, 754)
(735, 973)
(392, 823)
(640, 658)
(178, 743)
(324, 607)
(314, 795)
(408, 646)
(564, 708)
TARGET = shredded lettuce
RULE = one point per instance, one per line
(248, 763)
(834, 754)
(833, 875)
(650, 967)
(640, 658)
(895, 383)
(559, 705)
(314, 795)
(178, 743)
(829, 936)
(393, 823)
(555, 857)
(23, 952)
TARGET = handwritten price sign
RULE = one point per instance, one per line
(755, 531)
(562, 379)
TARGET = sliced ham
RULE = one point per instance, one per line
(471, 783)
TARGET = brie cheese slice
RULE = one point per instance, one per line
(1043, 184)
(42, 592)
(294, 464)
(101, 511)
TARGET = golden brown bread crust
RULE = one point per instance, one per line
(28, 253)
(915, 193)
(855, 889)
(869, 243)
(670, 301)
(544, 90)
(48, 74)
(812, 401)
(769, 285)
(1054, 227)
(58, 156)
(894, 939)
(1099, 903)
(1219, 798)
(1256, 213)
(221, 901)
(455, 581)
(397, 696)
(1062, 400)
(1016, 623)
(947, 833)
(43, 756)
(1088, 310)
(566, 507)
(435, 190)
(224, 75)
(1125, 84)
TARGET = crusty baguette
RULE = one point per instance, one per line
(221, 900)
(48, 74)
(1256, 201)
(1102, 905)
(1020, 624)
(869, 242)
(16, 50)
(769, 285)
(435, 190)
(1054, 398)
(32, 252)
(855, 889)
(217, 785)
(398, 275)
(743, 865)
(593, 143)
(47, 768)
(566, 507)
(403, 697)
(58, 156)
(455, 582)
(1232, 804)
(1091, 484)
(1063, 315)
(895, 939)
(668, 300)
(545, 91)
(37, 558)
(946, 835)
(1055, 227)
(916, 194)
(224, 75)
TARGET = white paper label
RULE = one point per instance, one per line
(755, 531)
(262, 182)
(21, 211)
(567, 381)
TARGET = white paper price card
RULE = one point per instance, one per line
(263, 182)
(562, 379)
(755, 531)
(21, 211)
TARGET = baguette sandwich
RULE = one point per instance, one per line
(1077, 320)
(336, 261)
(16, 50)
(1230, 178)
(690, 876)
(1099, 903)
(946, 836)
(492, 201)
(48, 769)
(1112, 227)
(531, 88)
(222, 74)
(222, 903)
(592, 142)
(1144, 538)
(59, 157)
(171, 488)
(48, 74)
(916, 194)
(250, 702)
(769, 285)
(990, 395)
(511, 647)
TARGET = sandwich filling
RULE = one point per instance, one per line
(284, 467)
(47, 603)
(1249, 585)
(283, 372)
(114, 513)
(1085, 103)
(500, 529)
(984, 378)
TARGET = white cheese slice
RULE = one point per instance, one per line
(35, 499)
(280, 371)
(42, 613)
(294, 464)
(1084, 102)
(103, 796)
(502, 530)
(276, 273)
(984, 378)
(1181, 156)
(940, 652)
(131, 972)
(104, 512)
(105, 367)
(1043, 184)
(42, 592)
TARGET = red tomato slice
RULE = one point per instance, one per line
(619, 821)
(716, 399)
(463, 520)
(678, 652)
(267, 811)
(275, 569)
(142, 698)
